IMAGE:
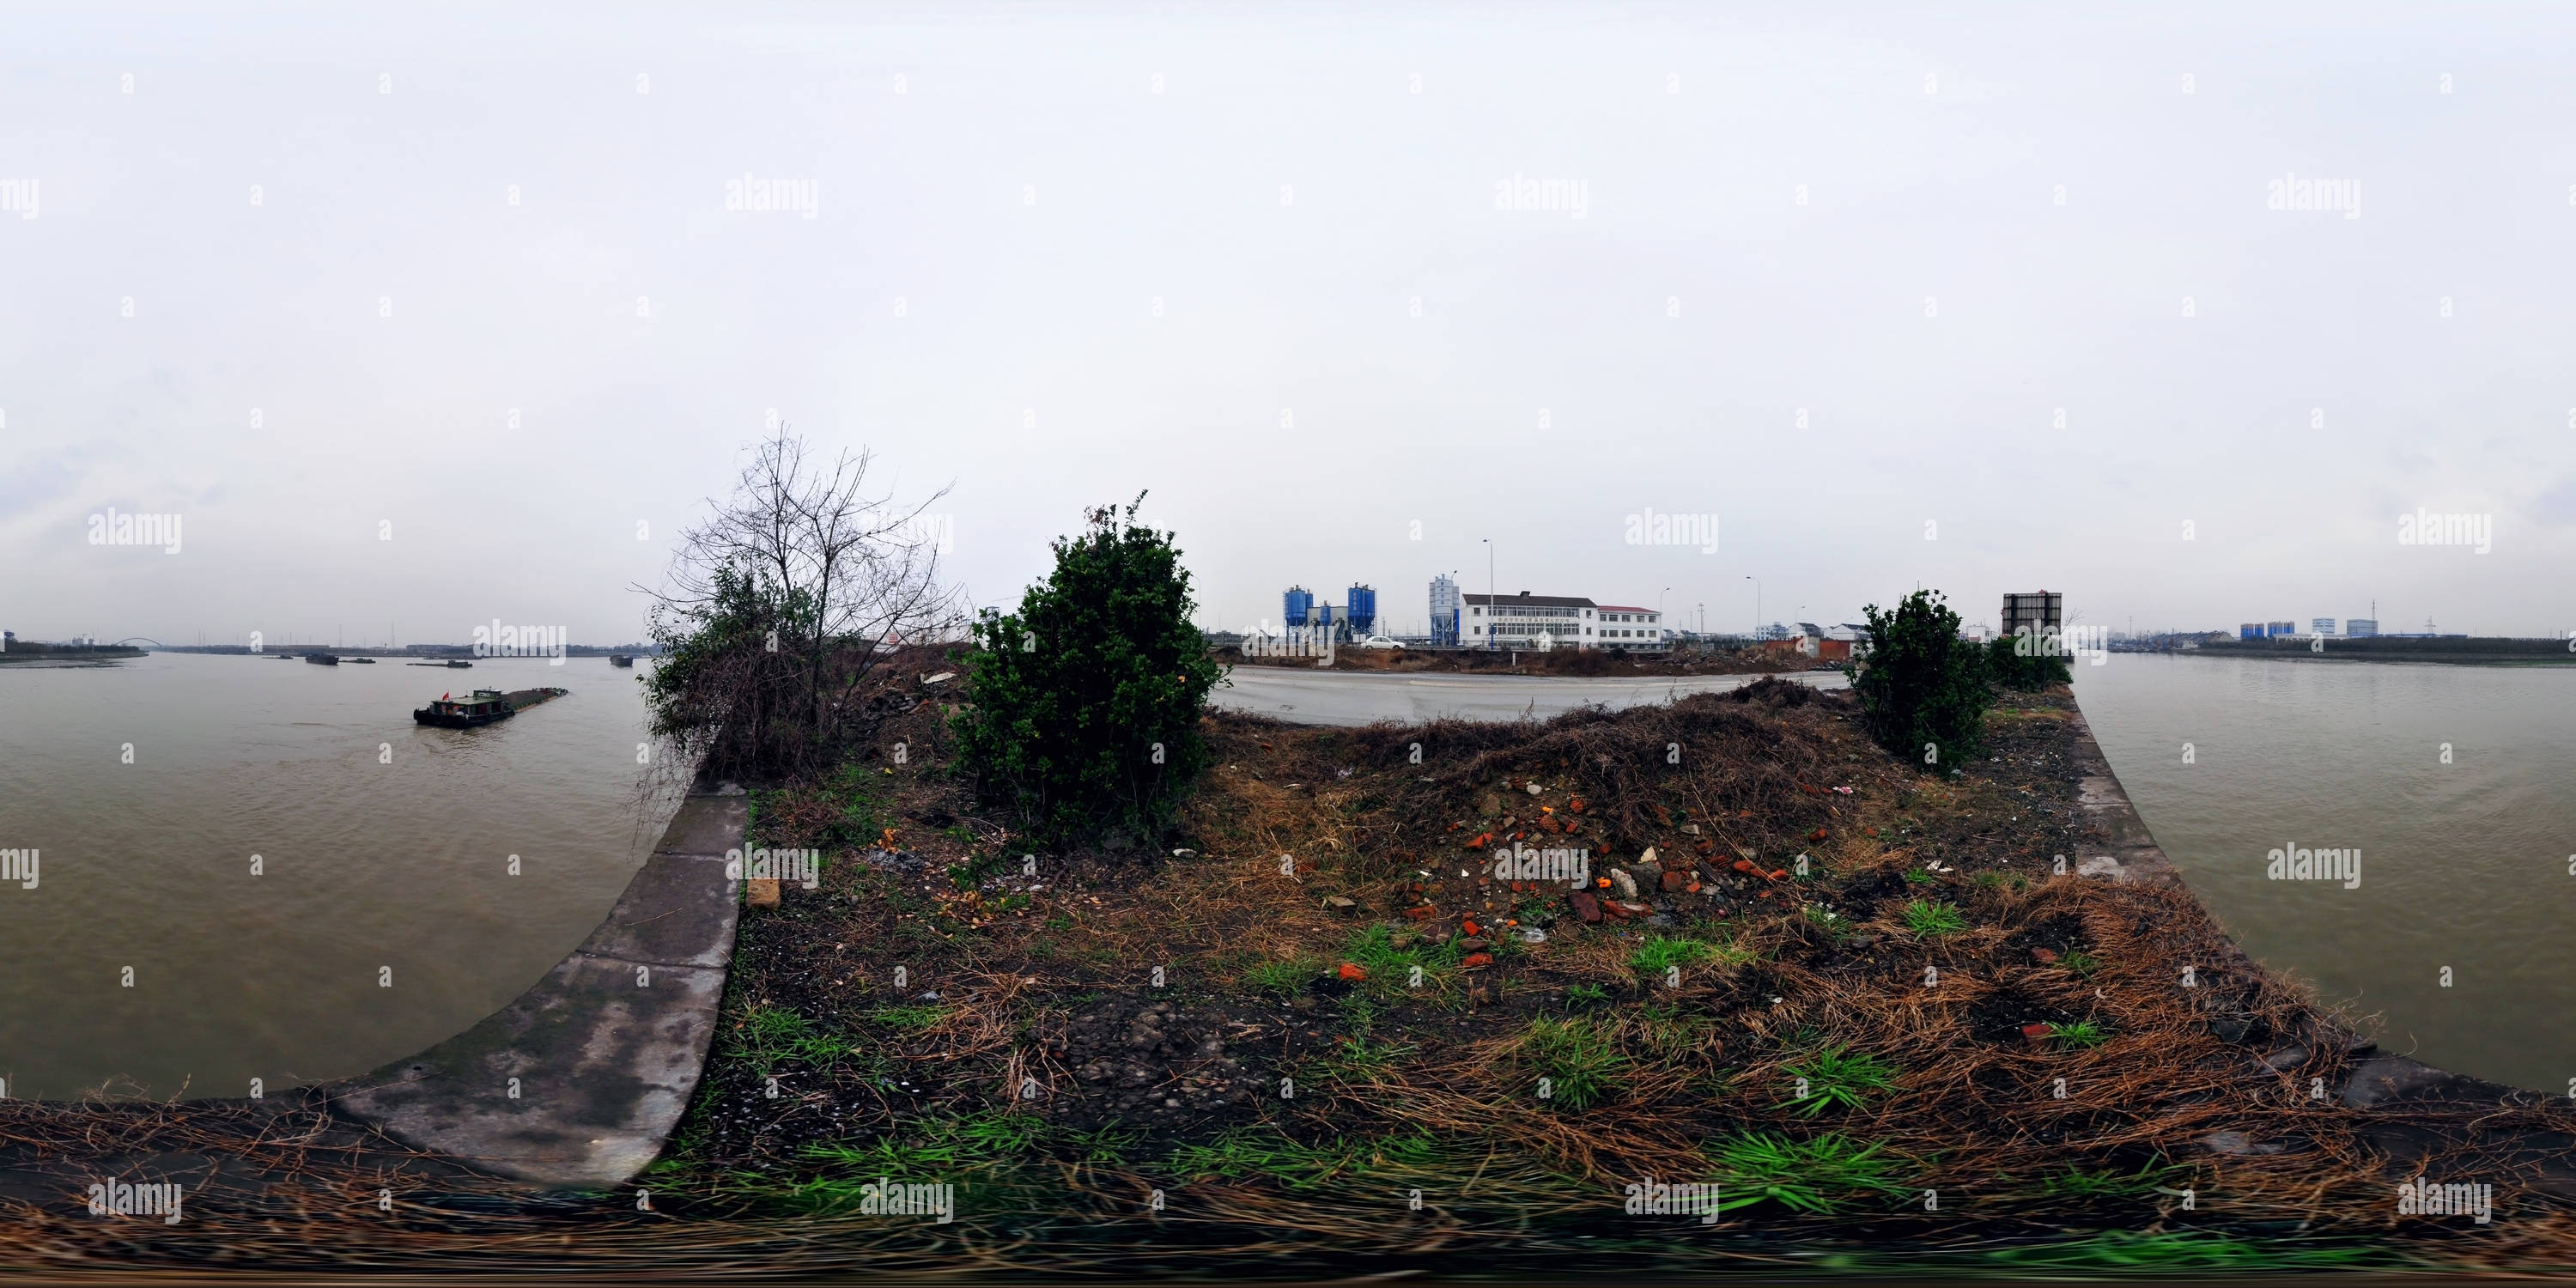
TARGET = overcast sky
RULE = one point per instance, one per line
(1926, 234)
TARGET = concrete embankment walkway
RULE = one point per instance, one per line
(578, 1082)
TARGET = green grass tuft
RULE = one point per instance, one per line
(771, 1035)
(1662, 952)
(909, 1019)
(1932, 918)
(2079, 1035)
(1836, 1078)
(940, 1144)
(1285, 978)
(1812, 1176)
(1575, 1057)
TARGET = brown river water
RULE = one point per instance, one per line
(2457, 930)
(385, 917)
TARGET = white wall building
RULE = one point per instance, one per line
(1527, 621)
(1630, 628)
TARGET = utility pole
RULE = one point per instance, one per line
(1757, 605)
(1492, 612)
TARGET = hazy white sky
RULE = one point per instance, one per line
(1002, 194)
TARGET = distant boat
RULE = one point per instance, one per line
(360, 661)
(620, 659)
(321, 659)
(486, 706)
(459, 665)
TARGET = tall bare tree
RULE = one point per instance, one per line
(778, 606)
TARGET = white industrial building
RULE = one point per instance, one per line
(1527, 621)
(1630, 628)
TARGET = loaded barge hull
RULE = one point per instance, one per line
(486, 706)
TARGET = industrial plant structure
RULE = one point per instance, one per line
(1355, 618)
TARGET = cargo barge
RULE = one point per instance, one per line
(485, 706)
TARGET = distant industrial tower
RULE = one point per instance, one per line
(1444, 609)
(1360, 610)
(1296, 606)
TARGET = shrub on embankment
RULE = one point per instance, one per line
(1924, 691)
(1084, 706)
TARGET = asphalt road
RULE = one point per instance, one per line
(1362, 697)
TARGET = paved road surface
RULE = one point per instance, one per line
(1364, 697)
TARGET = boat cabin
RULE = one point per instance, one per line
(484, 702)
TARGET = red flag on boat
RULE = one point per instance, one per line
(443, 697)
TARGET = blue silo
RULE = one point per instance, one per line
(1361, 610)
(1299, 604)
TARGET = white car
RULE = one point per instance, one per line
(1380, 641)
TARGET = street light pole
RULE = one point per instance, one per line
(1491, 612)
(1659, 617)
(1757, 606)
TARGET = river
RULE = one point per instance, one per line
(2456, 783)
(149, 959)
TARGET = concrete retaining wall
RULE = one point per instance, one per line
(576, 1084)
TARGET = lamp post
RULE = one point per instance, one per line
(1757, 606)
(1492, 614)
(1659, 617)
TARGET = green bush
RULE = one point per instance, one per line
(1924, 690)
(1084, 705)
(2030, 662)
